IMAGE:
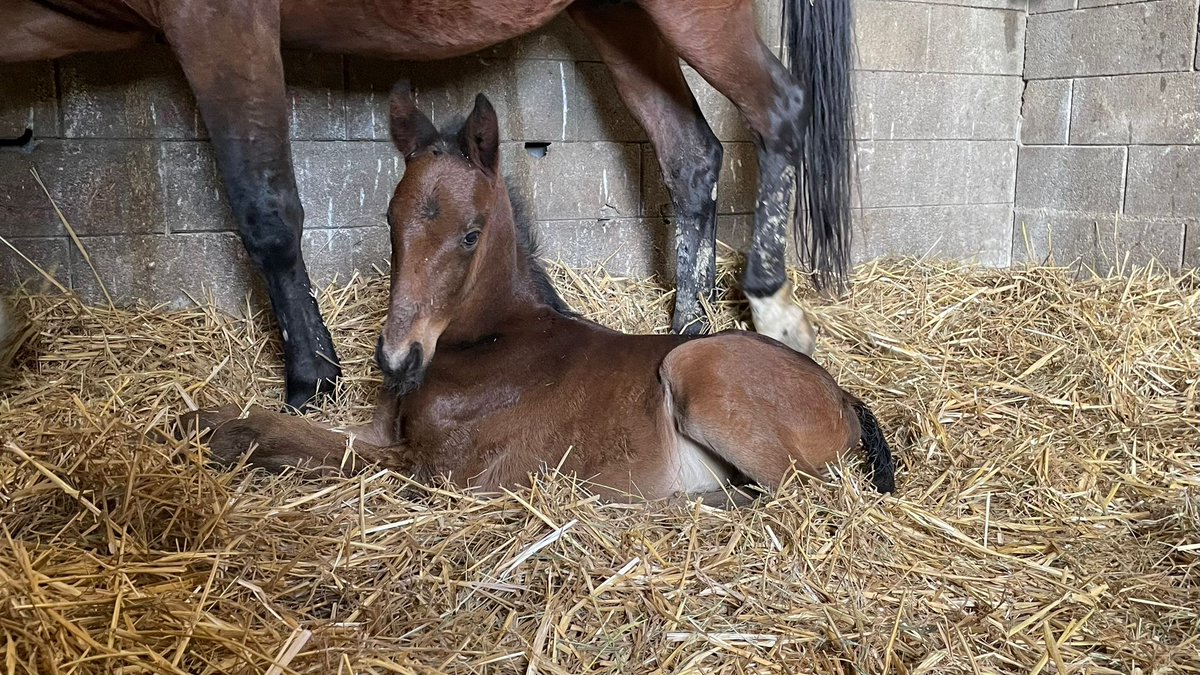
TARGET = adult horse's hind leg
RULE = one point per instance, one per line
(718, 38)
(759, 406)
(651, 84)
(229, 51)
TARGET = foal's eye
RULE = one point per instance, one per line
(470, 239)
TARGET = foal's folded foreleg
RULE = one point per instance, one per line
(276, 441)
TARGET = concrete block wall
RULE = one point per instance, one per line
(939, 90)
(1109, 166)
(955, 147)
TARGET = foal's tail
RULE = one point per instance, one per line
(819, 38)
(879, 455)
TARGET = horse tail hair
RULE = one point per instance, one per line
(819, 38)
(879, 455)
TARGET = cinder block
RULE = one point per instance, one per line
(973, 40)
(1163, 181)
(166, 269)
(598, 113)
(1191, 246)
(1046, 112)
(545, 101)
(1152, 109)
(1044, 6)
(726, 122)
(918, 106)
(1137, 38)
(908, 36)
(985, 4)
(134, 94)
(892, 35)
(144, 94)
(346, 184)
(102, 187)
(1104, 243)
(528, 95)
(577, 180)
(316, 95)
(936, 173)
(768, 14)
(737, 187)
(49, 253)
(1080, 179)
(334, 256)
(978, 233)
(191, 191)
(635, 247)
(24, 209)
(1084, 4)
(27, 99)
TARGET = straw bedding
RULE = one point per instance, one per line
(1047, 517)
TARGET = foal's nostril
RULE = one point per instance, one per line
(405, 376)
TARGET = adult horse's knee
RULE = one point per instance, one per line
(270, 226)
(692, 175)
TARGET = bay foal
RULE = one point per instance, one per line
(489, 377)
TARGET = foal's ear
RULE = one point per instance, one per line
(411, 129)
(480, 138)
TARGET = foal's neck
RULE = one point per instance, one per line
(504, 289)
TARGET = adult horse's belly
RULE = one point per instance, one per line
(412, 30)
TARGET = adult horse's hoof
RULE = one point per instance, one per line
(304, 391)
(776, 316)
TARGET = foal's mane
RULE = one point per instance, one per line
(450, 142)
(527, 243)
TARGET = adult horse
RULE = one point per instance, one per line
(490, 377)
(230, 53)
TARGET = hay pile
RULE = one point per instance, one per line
(1047, 519)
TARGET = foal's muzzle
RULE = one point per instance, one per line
(401, 376)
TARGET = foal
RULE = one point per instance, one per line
(490, 377)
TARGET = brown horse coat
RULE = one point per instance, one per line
(490, 378)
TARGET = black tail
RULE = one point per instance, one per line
(819, 38)
(879, 455)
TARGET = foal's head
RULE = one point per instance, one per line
(439, 218)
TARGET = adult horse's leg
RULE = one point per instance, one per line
(229, 51)
(649, 80)
(718, 38)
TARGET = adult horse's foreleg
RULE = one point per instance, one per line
(229, 51)
(650, 82)
(718, 38)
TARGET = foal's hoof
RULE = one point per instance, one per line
(226, 433)
(776, 316)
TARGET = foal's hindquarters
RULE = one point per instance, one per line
(644, 416)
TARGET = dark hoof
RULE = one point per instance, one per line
(305, 391)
